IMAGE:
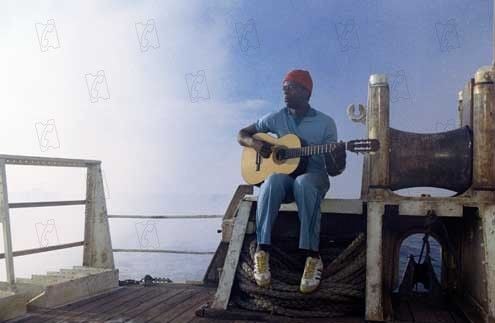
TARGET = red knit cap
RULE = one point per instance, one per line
(302, 77)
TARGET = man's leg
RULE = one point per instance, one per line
(309, 190)
(276, 189)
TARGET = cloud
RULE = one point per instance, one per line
(114, 98)
(146, 116)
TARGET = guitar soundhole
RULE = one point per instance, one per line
(279, 155)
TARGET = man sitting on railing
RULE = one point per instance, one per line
(308, 189)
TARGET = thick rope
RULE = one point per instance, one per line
(341, 290)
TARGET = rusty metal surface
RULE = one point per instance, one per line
(483, 130)
(487, 213)
(473, 257)
(433, 159)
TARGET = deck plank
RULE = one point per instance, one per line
(142, 306)
(120, 292)
(402, 312)
(79, 311)
(89, 310)
(107, 311)
(424, 312)
(209, 320)
(53, 315)
(443, 316)
(177, 303)
(456, 318)
(166, 306)
(185, 311)
(420, 314)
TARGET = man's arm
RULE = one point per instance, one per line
(245, 138)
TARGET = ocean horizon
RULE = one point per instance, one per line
(181, 268)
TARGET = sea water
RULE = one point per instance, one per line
(184, 267)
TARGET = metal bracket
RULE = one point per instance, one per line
(361, 117)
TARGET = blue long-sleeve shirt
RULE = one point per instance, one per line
(315, 128)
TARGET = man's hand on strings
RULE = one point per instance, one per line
(263, 147)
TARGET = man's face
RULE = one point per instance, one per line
(295, 95)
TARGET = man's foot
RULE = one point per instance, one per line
(312, 275)
(262, 268)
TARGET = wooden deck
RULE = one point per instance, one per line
(178, 302)
(164, 303)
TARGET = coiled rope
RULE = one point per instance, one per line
(341, 290)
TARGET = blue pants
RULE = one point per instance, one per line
(307, 190)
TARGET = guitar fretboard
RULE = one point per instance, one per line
(308, 150)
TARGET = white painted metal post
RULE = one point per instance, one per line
(5, 220)
(374, 262)
(377, 121)
(222, 296)
(97, 241)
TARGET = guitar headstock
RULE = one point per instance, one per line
(363, 145)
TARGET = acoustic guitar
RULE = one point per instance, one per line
(289, 156)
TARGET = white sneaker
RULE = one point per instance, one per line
(312, 275)
(262, 268)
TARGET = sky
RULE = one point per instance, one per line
(157, 90)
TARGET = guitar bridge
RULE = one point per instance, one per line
(258, 161)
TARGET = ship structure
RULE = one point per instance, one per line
(360, 240)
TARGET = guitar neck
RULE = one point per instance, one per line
(311, 150)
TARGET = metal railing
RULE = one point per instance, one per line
(5, 206)
(162, 217)
(98, 251)
(239, 194)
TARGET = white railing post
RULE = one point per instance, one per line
(97, 241)
(5, 220)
